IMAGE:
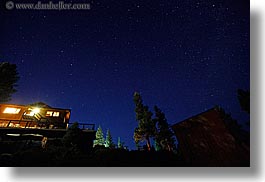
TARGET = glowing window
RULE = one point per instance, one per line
(49, 113)
(31, 112)
(56, 114)
(11, 110)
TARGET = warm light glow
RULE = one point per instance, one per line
(56, 114)
(49, 113)
(11, 110)
(36, 110)
(32, 112)
(52, 113)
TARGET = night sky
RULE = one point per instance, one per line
(184, 56)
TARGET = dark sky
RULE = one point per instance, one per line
(184, 56)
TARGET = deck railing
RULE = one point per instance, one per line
(28, 124)
(15, 123)
(84, 126)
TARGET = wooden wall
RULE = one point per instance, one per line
(204, 140)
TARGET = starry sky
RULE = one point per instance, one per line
(184, 56)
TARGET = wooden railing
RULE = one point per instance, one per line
(4, 123)
(27, 124)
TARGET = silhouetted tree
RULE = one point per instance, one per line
(244, 99)
(99, 137)
(109, 143)
(73, 136)
(235, 129)
(8, 79)
(146, 126)
(164, 136)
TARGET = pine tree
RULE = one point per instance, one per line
(146, 128)
(120, 144)
(244, 99)
(109, 143)
(99, 137)
(164, 137)
(73, 136)
(234, 127)
(157, 145)
(8, 79)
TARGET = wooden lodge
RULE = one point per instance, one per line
(38, 122)
(20, 116)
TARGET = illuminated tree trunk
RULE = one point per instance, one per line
(169, 147)
(148, 143)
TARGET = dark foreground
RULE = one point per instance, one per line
(100, 157)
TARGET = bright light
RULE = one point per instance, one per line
(53, 113)
(32, 112)
(35, 110)
(11, 134)
(49, 113)
(56, 114)
(11, 110)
